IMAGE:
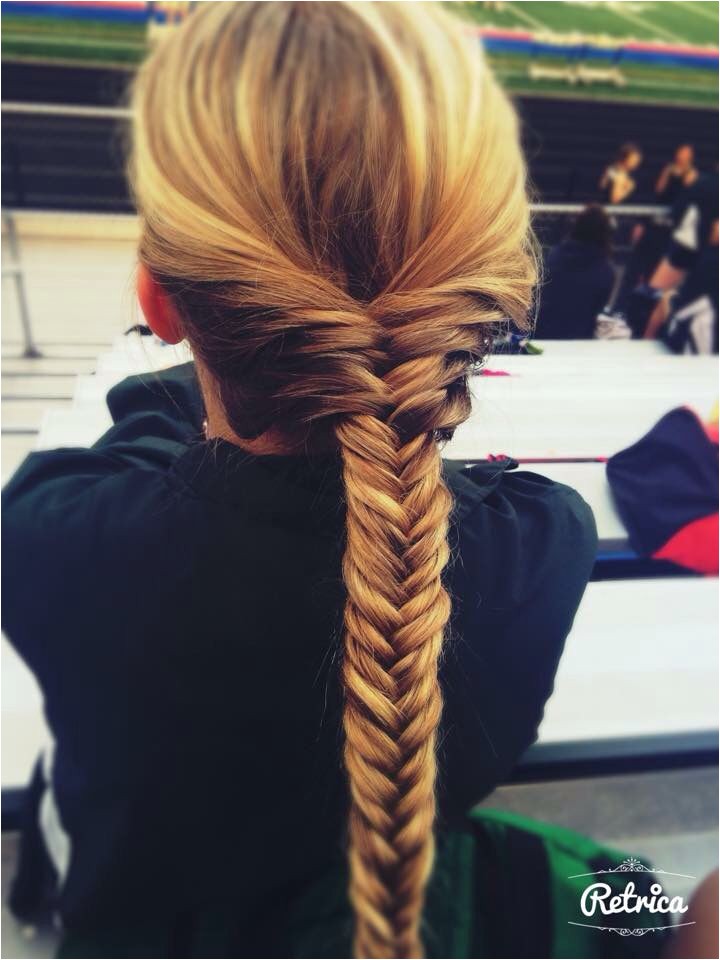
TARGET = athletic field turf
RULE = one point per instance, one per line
(686, 21)
(694, 21)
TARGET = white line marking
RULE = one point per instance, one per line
(645, 24)
(702, 8)
(69, 41)
(517, 9)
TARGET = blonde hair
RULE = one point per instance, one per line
(333, 195)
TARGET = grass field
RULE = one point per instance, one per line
(685, 21)
(694, 21)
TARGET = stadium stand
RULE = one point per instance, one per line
(62, 160)
(569, 142)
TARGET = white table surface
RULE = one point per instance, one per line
(642, 659)
(613, 348)
(561, 414)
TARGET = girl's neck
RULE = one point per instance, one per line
(274, 442)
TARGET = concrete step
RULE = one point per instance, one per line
(23, 416)
(25, 387)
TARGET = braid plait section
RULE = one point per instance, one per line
(397, 519)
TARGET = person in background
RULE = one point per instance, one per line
(617, 183)
(579, 279)
(680, 173)
(687, 318)
(694, 220)
(688, 271)
(650, 240)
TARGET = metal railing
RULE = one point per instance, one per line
(65, 110)
(612, 210)
(14, 269)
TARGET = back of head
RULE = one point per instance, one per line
(592, 227)
(333, 197)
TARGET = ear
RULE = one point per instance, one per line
(159, 311)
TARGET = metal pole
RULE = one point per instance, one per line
(31, 349)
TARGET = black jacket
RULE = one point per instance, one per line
(180, 603)
(578, 283)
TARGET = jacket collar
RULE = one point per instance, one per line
(223, 472)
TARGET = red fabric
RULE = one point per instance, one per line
(694, 546)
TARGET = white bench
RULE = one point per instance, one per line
(549, 418)
(641, 660)
(638, 349)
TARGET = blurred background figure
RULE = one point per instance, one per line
(686, 278)
(694, 217)
(650, 241)
(686, 281)
(680, 173)
(579, 278)
(617, 182)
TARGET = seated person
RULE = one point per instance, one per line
(578, 281)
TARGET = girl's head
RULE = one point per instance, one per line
(629, 156)
(684, 157)
(334, 214)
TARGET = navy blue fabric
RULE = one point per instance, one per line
(666, 480)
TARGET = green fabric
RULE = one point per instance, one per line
(570, 858)
(319, 924)
(507, 886)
